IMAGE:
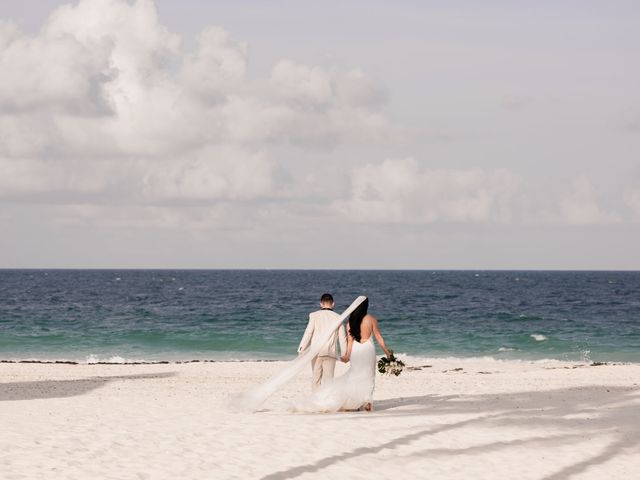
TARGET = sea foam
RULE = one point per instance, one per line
(115, 359)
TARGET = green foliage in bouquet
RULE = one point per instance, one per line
(390, 365)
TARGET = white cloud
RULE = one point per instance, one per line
(27, 178)
(579, 206)
(211, 173)
(105, 101)
(316, 88)
(54, 72)
(310, 86)
(216, 66)
(403, 191)
(632, 200)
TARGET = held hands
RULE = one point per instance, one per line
(344, 358)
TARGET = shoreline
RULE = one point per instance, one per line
(158, 362)
(406, 358)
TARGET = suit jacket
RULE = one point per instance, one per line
(319, 322)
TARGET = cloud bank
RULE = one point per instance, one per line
(105, 114)
(105, 101)
(403, 191)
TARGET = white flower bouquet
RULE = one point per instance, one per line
(390, 365)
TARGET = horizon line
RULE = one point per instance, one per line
(323, 269)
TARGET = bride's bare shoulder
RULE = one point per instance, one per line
(369, 319)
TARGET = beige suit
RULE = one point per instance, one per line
(323, 365)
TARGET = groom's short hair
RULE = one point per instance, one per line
(326, 298)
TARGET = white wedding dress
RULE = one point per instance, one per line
(349, 391)
(362, 372)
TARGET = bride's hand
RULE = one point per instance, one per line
(344, 358)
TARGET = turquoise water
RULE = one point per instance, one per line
(153, 315)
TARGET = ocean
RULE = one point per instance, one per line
(181, 315)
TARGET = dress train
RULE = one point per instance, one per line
(349, 391)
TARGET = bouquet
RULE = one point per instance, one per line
(390, 365)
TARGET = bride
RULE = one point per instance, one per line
(354, 389)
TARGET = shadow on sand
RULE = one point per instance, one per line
(580, 413)
(64, 388)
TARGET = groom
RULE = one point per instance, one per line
(320, 321)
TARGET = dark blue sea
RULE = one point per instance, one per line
(178, 315)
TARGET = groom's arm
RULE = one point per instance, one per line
(306, 338)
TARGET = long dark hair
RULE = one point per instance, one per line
(355, 319)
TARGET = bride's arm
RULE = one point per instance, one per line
(378, 335)
(345, 358)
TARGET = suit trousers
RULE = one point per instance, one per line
(322, 369)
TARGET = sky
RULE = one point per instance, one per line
(340, 135)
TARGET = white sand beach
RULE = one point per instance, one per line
(457, 419)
